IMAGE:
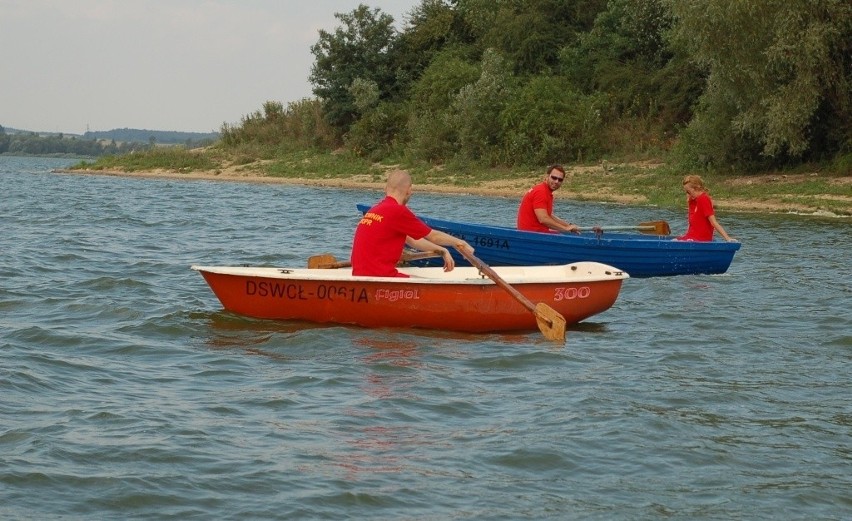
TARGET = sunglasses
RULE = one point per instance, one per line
(557, 179)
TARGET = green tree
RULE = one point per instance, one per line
(627, 56)
(375, 131)
(442, 80)
(476, 111)
(779, 78)
(530, 33)
(433, 26)
(5, 140)
(360, 48)
(365, 94)
(432, 135)
(378, 132)
(547, 121)
(300, 125)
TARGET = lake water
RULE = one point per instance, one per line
(127, 393)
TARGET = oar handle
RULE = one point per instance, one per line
(655, 227)
(611, 228)
(408, 257)
(328, 261)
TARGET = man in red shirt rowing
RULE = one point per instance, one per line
(535, 213)
(388, 226)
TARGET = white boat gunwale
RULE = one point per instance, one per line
(567, 273)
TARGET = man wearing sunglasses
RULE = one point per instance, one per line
(535, 213)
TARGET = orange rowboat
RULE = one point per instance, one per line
(459, 300)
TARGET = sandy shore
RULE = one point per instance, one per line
(513, 188)
(503, 188)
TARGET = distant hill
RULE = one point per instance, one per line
(129, 135)
(10, 131)
(119, 141)
(162, 137)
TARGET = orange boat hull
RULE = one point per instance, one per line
(473, 305)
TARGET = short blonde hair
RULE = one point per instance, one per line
(695, 181)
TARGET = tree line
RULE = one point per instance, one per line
(162, 137)
(94, 144)
(33, 144)
(746, 84)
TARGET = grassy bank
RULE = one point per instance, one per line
(817, 189)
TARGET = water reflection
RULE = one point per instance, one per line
(391, 368)
(588, 327)
(225, 330)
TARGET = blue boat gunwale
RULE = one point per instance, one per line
(640, 255)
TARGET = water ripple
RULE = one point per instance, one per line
(129, 393)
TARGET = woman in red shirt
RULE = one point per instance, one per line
(701, 217)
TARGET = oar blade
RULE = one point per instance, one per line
(550, 322)
(321, 261)
(655, 227)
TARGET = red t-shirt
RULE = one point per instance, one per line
(539, 196)
(699, 212)
(380, 238)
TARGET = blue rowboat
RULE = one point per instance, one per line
(637, 254)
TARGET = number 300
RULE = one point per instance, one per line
(571, 293)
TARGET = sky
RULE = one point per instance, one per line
(183, 65)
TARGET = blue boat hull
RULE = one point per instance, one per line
(637, 254)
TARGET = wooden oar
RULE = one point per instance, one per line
(650, 227)
(323, 260)
(328, 261)
(550, 322)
